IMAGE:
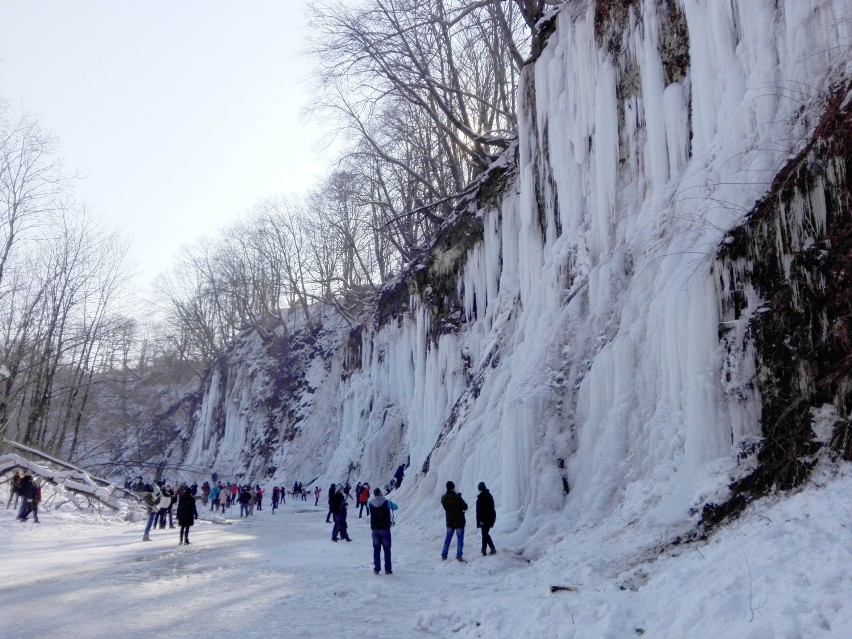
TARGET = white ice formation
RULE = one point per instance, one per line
(587, 325)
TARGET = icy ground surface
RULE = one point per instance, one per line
(783, 570)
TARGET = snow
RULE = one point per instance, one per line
(781, 571)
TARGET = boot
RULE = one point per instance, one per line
(146, 538)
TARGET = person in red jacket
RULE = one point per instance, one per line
(364, 500)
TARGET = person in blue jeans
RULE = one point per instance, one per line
(454, 507)
(380, 525)
(150, 499)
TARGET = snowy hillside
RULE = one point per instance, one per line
(594, 301)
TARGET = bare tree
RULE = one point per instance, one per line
(423, 94)
(441, 74)
(30, 181)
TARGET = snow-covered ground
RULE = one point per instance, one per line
(784, 570)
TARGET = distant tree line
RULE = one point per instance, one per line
(61, 280)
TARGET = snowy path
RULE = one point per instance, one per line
(783, 571)
(266, 576)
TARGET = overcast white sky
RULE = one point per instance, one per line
(180, 115)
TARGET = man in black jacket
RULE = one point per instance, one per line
(485, 516)
(380, 525)
(455, 507)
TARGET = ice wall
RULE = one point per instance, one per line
(590, 316)
(593, 319)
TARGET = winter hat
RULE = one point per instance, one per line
(481, 486)
(451, 485)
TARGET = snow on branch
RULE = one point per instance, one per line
(73, 479)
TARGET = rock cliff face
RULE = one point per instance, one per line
(646, 296)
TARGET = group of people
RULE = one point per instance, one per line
(221, 497)
(455, 508)
(300, 492)
(160, 499)
(27, 491)
(378, 510)
(381, 519)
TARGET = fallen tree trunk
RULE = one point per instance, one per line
(75, 481)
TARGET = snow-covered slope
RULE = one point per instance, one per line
(574, 311)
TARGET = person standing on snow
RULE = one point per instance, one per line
(317, 492)
(245, 498)
(252, 500)
(380, 525)
(15, 489)
(485, 516)
(365, 500)
(454, 506)
(186, 514)
(215, 496)
(337, 502)
(150, 499)
(225, 497)
(170, 508)
(331, 490)
(35, 499)
(28, 490)
(276, 497)
(340, 526)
